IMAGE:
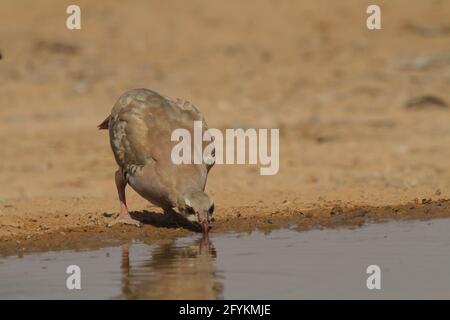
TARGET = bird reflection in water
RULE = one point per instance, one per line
(173, 272)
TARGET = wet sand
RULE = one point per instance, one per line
(156, 228)
(356, 140)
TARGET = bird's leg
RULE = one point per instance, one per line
(121, 185)
(124, 216)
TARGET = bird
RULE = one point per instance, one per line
(140, 127)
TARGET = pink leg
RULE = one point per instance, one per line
(124, 216)
(121, 185)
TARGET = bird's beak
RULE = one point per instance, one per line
(205, 227)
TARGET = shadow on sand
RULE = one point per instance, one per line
(164, 220)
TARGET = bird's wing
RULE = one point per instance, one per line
(141, 125)
(128, 137)
(194, 115)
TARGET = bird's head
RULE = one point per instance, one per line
(197, 207)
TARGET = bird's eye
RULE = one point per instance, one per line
(190, 210)
(211, 209)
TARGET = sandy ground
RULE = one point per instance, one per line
(351, 135)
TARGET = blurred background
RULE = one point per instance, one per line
(363, 115)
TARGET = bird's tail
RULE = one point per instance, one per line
(104, 125)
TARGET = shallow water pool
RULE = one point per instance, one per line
(413, 256)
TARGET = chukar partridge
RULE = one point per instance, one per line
(140, 128)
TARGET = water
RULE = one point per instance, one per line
(413, 256)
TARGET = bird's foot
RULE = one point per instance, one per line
(125, 219)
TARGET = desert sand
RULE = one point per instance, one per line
(363, 114)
